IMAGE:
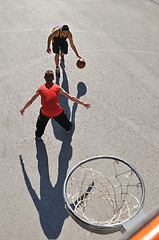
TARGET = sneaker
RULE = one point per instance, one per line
(38, 137)
(57, 70)
(62, 55)
(69, 130)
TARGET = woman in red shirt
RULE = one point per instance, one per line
(49, 93)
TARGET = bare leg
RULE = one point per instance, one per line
(57, 59)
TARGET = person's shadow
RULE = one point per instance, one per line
(50, 205)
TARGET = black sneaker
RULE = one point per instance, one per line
(38, 137)
(69, 130)
(58, 71)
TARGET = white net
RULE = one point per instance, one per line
(104, 191)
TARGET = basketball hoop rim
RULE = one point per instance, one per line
(102, 229)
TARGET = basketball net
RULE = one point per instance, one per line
(109, 195)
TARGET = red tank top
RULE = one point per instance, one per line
(49, 93)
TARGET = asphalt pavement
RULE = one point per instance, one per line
(119, 41)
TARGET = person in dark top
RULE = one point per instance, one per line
(59, 37)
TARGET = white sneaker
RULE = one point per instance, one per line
(57, 70)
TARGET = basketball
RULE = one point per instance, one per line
(81, 63)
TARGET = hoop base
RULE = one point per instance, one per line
(127, 226)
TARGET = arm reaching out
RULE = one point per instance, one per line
(29, 102)
(74, 99)
(72, 45)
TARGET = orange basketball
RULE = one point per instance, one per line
(81, 63)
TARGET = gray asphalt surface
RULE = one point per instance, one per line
(119, 41)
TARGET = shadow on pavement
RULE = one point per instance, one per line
(50, 205)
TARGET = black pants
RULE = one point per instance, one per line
(43, 120)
